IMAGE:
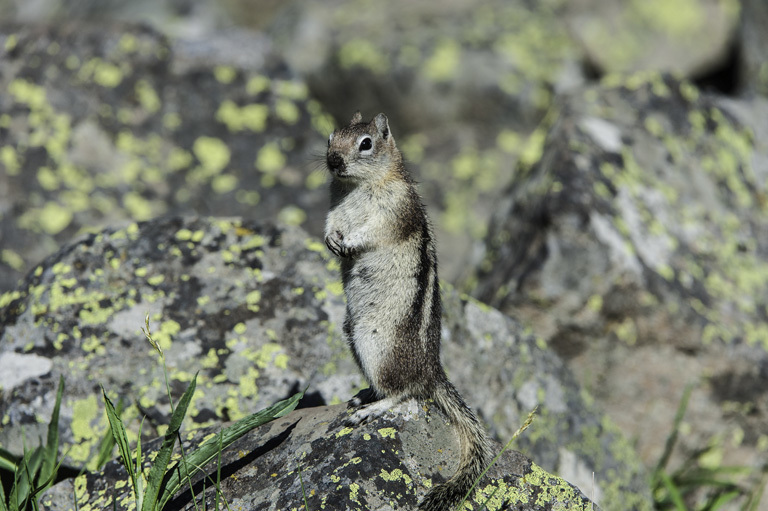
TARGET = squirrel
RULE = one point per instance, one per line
(378, 227)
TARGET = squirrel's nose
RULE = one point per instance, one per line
(336, 163)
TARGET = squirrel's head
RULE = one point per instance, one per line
(363, 150)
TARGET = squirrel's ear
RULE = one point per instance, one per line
(357, 118)
(382, 125)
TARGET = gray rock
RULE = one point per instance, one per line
(687, 38)
(754, 47)
(180, 18)
(387, 464)
(424, 63)
(636, 247)
(256, 308)
(105, 124)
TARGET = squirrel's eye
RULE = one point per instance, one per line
(366, 144)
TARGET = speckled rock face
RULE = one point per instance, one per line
(388, 464)
(248, 306)
(256, 310)
(636, 245)
(99, 125)
(426, 63)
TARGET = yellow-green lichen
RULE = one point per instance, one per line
(51, 218)
(336, 288)
(9, 158)
(287, 111)
(270, 160)
(257, 84)
(213, 154)
(252, 299)
(171, 121)
(101, 72)
(85, 415)
(292, 215)
(444, 62)
(225, 74)
(12, 259)
(10, 42)
(291, 89)
(24, 92)
(344, 431)
(363, 54)
(7, 297)
(147, 96)
(388, 432)
(164, 335)
(252, 117)
(395, 475)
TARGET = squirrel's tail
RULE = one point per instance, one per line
(475, 451)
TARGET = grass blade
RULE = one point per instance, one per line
(303, 490)
(218, 472)
(3, 505)
(51, 452)
(528, 422)
(160, 465)
(669, 445)
(723, 499)
(209, 450)
(121, 439)
(674, 492)
(8, 461)
(30, 464)
(757, 496)
(44, 484)
(108, 442)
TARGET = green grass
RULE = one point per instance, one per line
(36, 470)
(697, 486)
(153, 486)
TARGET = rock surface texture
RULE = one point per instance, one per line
(637, 247)
(103, 125)
(387, 464)
(257, 309)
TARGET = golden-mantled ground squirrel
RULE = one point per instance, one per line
(378, 227)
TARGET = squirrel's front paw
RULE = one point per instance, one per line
(335, 243)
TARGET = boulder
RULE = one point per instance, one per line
(636, 246)
(753, 43)
(688, 37)
(109, 123)
(387, 464)
(256, 309)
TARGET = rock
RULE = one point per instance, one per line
(636, 246)
(179, 18)
(686, 37)
(491, 62)
(754, 47)
(256, 309)
(387, 464)
(105, 124)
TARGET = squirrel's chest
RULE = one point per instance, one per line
(356, 207)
